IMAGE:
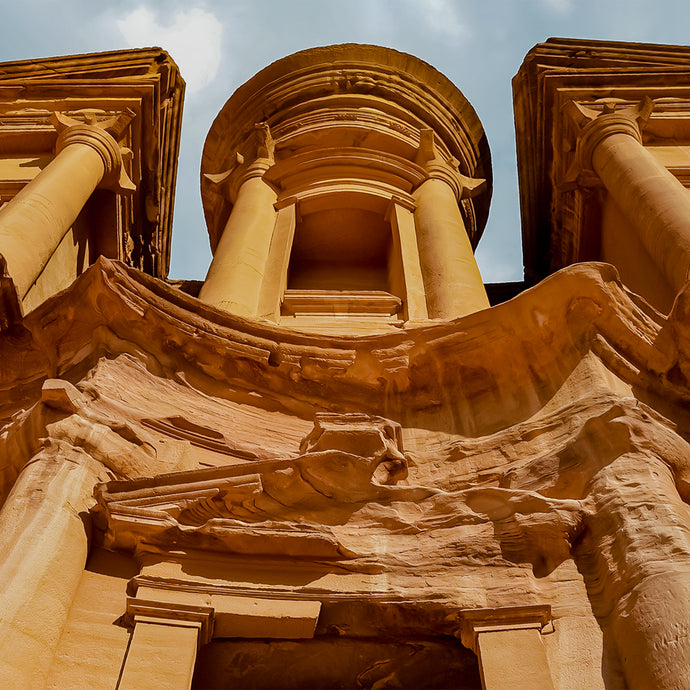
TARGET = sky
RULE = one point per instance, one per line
(219, 44)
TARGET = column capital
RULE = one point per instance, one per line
(473, 622)
(245, 167)
(100, 136)
(595, 125)
(437, 167)
(173, 613)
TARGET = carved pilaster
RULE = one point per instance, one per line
(507, 641)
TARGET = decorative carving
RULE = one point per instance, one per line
(370, 98)
(173, 613)
(203, 437)
(256, 163)
(439, 168)
(265, 146)
(545, 455)
(344, 460)
(102, 137)
(594, 125)
(475, 621)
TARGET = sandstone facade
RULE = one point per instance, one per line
(333, 463)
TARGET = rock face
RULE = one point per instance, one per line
(196, 497)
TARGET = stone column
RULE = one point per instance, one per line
(653, 200)
(235, 277)
(34, 222)
(508, 643)
(43, 551)
(635, 559)
(452, 280)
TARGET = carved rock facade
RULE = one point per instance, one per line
(334, 492)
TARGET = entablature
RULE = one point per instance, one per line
(307, 170)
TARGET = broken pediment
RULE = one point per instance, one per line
(213, 508)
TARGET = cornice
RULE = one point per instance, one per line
(108, 64)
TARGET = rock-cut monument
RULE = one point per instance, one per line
(342, 460)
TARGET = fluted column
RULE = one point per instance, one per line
(653, 200)
(451, 276)
(236, 274)
(34, 222)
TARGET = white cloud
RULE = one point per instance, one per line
(192, 37)
(559, 6)
(441, 16)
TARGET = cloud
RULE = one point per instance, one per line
(558, 6)
(441, 17)
(193, 38)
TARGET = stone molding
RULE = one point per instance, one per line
(474, 622)
(296, 302)
(173, 613)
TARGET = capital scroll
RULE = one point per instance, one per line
(439, 168)
(595, 125)
(255, 164)
(102, 137)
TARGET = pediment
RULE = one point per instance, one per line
(199, 510)
(278, 508)
(483, 359)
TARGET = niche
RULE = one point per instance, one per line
(343, 258)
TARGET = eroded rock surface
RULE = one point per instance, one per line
(409, 489)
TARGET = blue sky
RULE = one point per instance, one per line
(478, 44)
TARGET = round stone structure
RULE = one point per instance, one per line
(372, 101)
(346, 187)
